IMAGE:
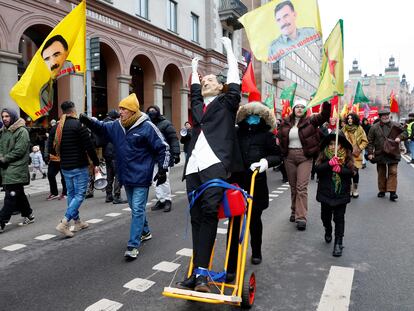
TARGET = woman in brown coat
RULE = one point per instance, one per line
(299, 142)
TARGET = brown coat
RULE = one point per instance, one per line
(309, 133)
(376, 141)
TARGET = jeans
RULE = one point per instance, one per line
(137, 200)
(411, 148)
(76, 183)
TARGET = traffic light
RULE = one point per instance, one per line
(95, 54)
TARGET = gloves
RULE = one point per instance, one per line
(227, 43)
(336, 168)
(194, 64)
(83, 118)
(3, 163)
(160, 177)
(262, 165)
(334, 161)
(176, 159)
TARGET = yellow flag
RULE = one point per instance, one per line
(280, 27)
(331, 81)
(62, 52)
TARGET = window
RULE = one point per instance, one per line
(172, 15)
(194, 27)
(142, 8)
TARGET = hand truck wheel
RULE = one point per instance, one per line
(249, 291)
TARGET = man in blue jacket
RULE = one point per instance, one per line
(136, 140)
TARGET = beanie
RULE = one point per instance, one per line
(130, 102)
(299, 101)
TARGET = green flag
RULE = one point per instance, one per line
(289, 93)
(269, 101)
(359, 95)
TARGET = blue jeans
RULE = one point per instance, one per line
(137, 200)
(76, 184)
(411, 146)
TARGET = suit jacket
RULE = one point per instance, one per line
(218, 124)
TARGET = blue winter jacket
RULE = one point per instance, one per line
(137, 150)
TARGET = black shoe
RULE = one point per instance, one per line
(44, 176)
(33, 176)
(301, 225)
(381, 194)
(328, 237)
(188, 283)
(167, 206)
(393, 196)
(230, 276)
(285, 179)
(337, 250)
(292, 218)
(89, 195)
(109, 198)
(2, 226)
(256, 260)
(118, 200)
(201, 284)
(159, 205)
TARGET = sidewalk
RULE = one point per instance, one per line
(41, 186)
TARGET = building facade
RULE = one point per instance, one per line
(146, 47)
(379, 87)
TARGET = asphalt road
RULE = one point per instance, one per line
(74, 274)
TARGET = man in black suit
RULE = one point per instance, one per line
(211, 154)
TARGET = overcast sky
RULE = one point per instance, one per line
(373, 31)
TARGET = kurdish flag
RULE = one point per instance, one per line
(359, 95)
(62, 52)
(287, 96)
(331, 81)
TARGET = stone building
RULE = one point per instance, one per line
(146, 47)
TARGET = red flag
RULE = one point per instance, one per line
(249, 84)
(286, 110)
(393, 103)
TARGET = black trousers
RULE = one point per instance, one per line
(204, 219)
(338, 213)
(52, 170)
(111, 178)
(15, 200)
(355, 178)
(256, 231)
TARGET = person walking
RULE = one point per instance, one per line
(366, 126)
(392, 133)
(14, 167)
(355, 134)
(212, 153)
(37, 162)
(335, 177)
(410, 133)
(186, 134)
(71, 142)
(139, 146)
(163, 191)
(299, 141)
(259, 151)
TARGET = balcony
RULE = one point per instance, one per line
(230, 11)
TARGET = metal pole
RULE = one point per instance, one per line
(88, 79)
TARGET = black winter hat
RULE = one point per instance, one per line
(341, 140)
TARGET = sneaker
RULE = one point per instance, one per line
(2, 226)
(131, 252)
(27, 220)
(301, 225)
(62, 197)
(52, 197)
(146, 236)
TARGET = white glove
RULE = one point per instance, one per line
(262, 165)
(227, 44)
(233, 72)
(194, 64)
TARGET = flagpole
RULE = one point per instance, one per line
(85, 69)
(337, 128)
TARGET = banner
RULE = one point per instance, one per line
(280, 27)
(331, 81)
(63, 52)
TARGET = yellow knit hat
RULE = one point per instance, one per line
(130, 102)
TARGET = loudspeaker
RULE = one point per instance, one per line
(100, 181)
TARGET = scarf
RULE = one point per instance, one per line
(131, 120)
(59, 131)
(341, 154)
(351, 128)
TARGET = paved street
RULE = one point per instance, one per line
(40, 270)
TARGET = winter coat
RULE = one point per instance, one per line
(137, 150)
(309, 133)
(256, 142)
(376, 142)
(76, 145)
(359, 142)
(37, 159)
(326, 188)
(14, 146)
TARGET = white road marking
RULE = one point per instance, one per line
(337, 292)
(8, 224)
(113, 214)
(287, 184)
(154, 200)
(282, 188)
(149, 203)
(273, 195)
(221, 231)
(166, 266)
(94, 220)
(270, 200)
(45, 237)
(185, 252)
(180, 192)
(139, 285)
(277, 191)
(173, 195)
(105, 304)
(14, 247)
(127, 209)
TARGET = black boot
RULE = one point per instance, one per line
(33, 176)
(188, 283)
(109, 198)
(328, 235)
(167, 206)
(44, 176)
(119, 200)
(159, 205)
(393, 196)
(337, 250)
